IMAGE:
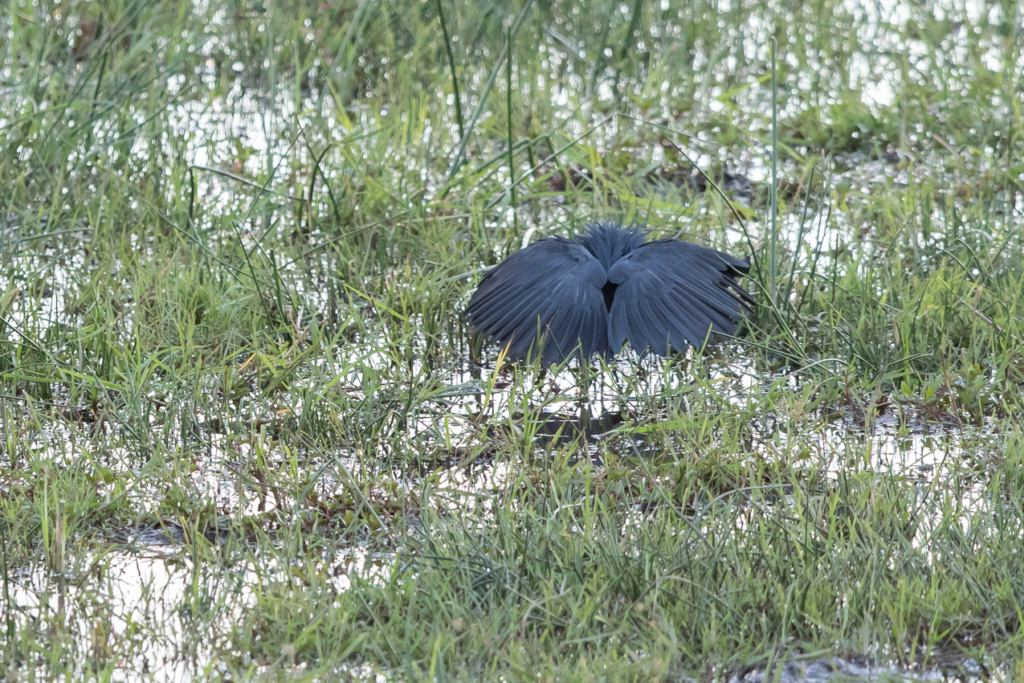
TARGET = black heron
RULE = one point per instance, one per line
(561, 297)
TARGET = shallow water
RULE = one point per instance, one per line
(839, 670)
(142, 580)
(148, 585)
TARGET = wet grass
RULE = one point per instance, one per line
(246, 434)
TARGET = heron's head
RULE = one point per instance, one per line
(609, 241)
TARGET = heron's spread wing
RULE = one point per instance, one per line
(672, 294)
(545, 296)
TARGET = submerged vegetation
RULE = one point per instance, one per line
(245, 433)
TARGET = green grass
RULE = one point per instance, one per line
(241, 433)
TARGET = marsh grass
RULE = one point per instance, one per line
(246, 433)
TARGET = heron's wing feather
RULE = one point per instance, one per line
(548, 294)
(570, 337)
(672, 294)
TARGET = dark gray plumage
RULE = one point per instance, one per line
(560, 297)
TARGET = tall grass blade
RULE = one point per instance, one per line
(511, 145)
(451, 66)
(460, 152)
(773, 241)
